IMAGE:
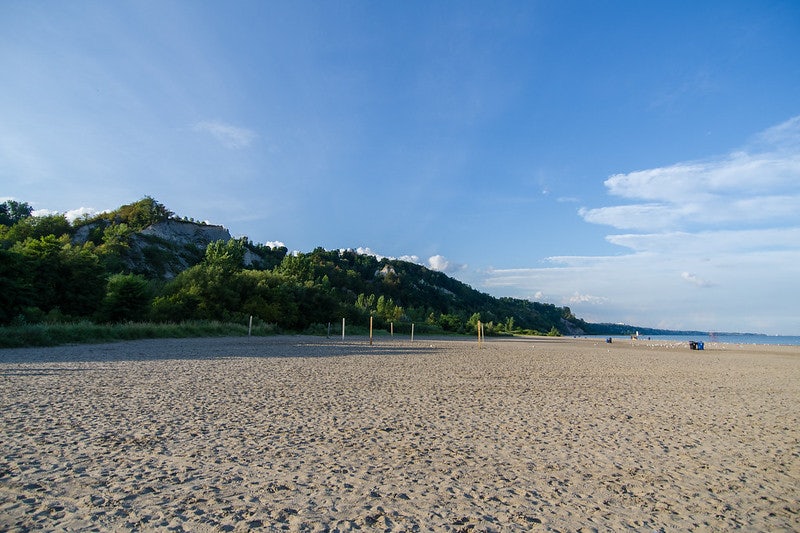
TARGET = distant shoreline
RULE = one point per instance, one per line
(721, 338)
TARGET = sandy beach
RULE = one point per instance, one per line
(315, 434)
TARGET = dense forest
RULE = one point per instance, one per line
(115, 267)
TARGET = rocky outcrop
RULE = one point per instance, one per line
(181, 232)
(165, 249)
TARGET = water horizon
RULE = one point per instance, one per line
(726, 338)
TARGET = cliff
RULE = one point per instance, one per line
(166, 248)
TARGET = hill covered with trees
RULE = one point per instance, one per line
(143, 263)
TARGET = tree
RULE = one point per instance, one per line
(12, 212)
(144, 213)
(37, 227)
(127, 298)
(227, 255)
(61, 275)
(83, 278)
(15, 294)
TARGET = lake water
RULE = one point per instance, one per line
(790, 340)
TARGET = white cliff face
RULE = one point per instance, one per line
(182, 232)
(200, 235)
(165, 249)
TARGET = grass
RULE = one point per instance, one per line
(31, 335)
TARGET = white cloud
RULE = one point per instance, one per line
(435, 262)
(438, 262)
(442, 264)
(366, 250)
(729, 225)
(694, 280)
(758, 184)
(585, 299)
(230, 136)
(410, 258)
(74, 214)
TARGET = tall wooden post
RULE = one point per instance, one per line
(412, 332)
(370, 330)
(342, 328)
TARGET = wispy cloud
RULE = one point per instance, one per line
(755, 185)
(230, 136)
(721, 225)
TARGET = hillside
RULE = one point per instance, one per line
(142, 262)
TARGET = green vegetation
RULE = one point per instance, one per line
(54, 334)
(62, 282)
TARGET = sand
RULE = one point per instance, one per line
(315, 434)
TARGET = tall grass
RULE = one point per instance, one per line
(87, 332)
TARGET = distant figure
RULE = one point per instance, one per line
(608, 340)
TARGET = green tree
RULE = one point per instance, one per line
(15, 293)
(450, 322)
(127, 298)
(143, 213)
(472, 323)
(62, 276)
(83, 280)
(37, 227)
(226, 255)
(12, 212)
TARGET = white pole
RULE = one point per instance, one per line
(250, 327)
(391, 329)
(342, 328)
(412, 332)
(370, 330)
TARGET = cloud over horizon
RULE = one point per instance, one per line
(718, 225)
(756, 185)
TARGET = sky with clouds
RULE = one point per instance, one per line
(638, 162)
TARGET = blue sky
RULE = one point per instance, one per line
(638, 162)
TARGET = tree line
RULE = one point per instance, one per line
(47, 275)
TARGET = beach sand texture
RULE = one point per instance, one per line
(315, 434)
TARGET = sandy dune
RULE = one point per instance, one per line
(311, 434)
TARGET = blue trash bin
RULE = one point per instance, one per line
(700, 345)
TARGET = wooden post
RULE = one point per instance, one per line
(342, 328)
(329, 330)
(412, 332)
(250, 327)
(370, 330)
(391, 329)
(480, 334)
